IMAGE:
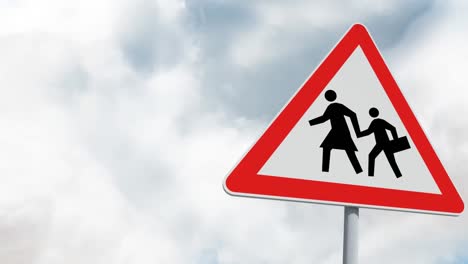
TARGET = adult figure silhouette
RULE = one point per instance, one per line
(379, 126)
(339, 136)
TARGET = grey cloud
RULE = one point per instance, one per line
(208, 256)
(388, 30)
(216, 24)
(146, 42)
(262, 91)
(72, 83)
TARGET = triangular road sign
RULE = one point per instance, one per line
(348, 137)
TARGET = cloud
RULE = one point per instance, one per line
(258, 54)
(120, 119)
(152, 36)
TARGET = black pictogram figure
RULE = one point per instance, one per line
(339, 136)
(379, 126)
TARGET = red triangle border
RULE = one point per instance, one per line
(244, 179)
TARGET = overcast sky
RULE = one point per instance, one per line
(119, 120)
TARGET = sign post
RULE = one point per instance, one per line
(323, 146)
(351, 235)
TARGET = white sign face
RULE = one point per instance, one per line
(348, 137)
(356, 87)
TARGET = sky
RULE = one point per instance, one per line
(119, 120)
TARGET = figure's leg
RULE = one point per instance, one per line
(391, 159)
(326, 159)
(354, 161)
(372, 156)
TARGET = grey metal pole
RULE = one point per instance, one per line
(350, 235)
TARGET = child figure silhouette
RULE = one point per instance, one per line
(379, 126)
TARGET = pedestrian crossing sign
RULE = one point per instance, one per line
(348, 137)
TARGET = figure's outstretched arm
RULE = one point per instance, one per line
(318, 120)
(321, 119)
(365, 132)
